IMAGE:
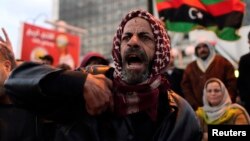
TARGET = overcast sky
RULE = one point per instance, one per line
(14, 12)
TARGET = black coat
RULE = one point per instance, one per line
(58, 95)
(17, 124)
(243, 81)
(175, 80)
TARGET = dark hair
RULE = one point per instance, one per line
(64, 66)
(48, 58)
(7, 54)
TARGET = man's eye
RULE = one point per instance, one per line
(146, 38)
(126, 38)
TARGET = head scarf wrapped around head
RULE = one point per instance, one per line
(131, 99)
(204, 64)
(223, 111)
(162, 48)
(91, 55)
(226, 100)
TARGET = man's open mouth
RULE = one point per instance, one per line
(134, 62)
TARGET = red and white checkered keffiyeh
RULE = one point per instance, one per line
(162, 49)
(131, 99)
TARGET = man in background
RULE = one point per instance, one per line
(243, 82)
(47, 59)
(174, 75)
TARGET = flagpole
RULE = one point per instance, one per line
(150, 6)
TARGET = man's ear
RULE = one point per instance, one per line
(7, 65)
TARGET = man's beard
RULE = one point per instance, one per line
(132, 77)
(204, 55)
(204, 58)
(135, 77)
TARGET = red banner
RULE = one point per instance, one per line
(38, 41)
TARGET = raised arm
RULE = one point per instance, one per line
(47, 90)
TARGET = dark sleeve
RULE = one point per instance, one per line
(180, 123)
(187, 88)
(243, 82)
(187, 125)
(46, 90)
(230, 80)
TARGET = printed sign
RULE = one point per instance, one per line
(38, 41)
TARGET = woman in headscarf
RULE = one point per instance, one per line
(218, 108)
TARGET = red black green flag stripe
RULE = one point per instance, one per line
(224, 17)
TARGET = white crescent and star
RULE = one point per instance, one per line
(194, 13)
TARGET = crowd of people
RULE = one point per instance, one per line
(144, 96)
(207, 65)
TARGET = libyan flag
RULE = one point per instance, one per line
(224, 17)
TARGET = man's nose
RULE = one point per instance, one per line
(134, 40)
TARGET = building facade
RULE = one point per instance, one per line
(99, 18)
(246, 20)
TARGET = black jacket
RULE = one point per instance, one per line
(175, 80)
(243, 82)
(17, 124)
(58, 95)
